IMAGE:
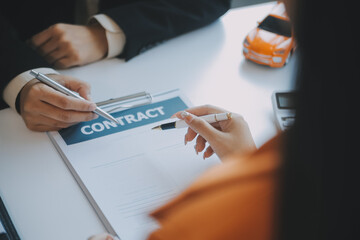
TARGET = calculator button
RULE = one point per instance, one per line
(288, 122)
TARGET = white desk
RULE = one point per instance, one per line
(40, 193)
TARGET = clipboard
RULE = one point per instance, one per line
(126, 171)
(125, 102)
(7, 224)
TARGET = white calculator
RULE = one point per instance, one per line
(284, 109)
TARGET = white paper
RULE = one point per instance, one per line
(128, 174)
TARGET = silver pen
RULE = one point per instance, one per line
(51, 83)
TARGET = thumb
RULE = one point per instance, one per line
(199, 125)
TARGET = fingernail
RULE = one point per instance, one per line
(92, 107)
(95, 116)
(186, 116)
(87, 96)
(185, 141)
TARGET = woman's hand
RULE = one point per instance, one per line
(224, 137)
(103, 236)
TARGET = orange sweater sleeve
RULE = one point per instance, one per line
(232, 201)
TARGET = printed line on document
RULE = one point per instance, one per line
(170, 146)
(117, 161)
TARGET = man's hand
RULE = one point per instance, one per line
(66, 45)
(45, 109)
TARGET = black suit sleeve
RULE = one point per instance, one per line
(148, 22)
(15, 56)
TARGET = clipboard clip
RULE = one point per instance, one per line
(126, 102)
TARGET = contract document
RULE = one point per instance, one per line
(126, 171)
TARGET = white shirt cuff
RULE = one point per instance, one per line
(114, 35)
(14, 87)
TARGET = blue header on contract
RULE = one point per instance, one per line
(130, 118)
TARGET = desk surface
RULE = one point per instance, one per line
(40, 193)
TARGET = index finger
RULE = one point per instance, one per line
(40, 38)
(202, 110)
(65, 102)
(83, 88)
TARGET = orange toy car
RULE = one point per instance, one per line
(271, 42)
